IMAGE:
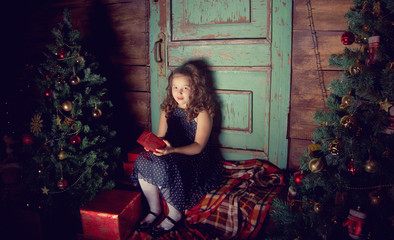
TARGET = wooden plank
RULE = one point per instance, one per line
(130, 51)
(134, 78)
(73, 4)
(139, 109)
(303, 52)
(128, 22)
(327, 15)
(301, 123)
(297, 148)
(307, 81)
(127, 18)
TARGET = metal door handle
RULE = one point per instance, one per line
(157, 51)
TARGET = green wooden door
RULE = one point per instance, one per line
(247, 44)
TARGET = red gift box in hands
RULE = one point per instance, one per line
(150, 141)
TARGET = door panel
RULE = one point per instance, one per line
(249, 59)
(252, 112)
(234, 55)
(228, 19)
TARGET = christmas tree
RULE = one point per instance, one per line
(71, 153)
(344, 188)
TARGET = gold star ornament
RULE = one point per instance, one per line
(45, 190)
(385, 105)
(58, 120)
(36, 123)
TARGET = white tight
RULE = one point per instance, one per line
(152, 196)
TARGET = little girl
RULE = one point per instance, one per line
(185, 170)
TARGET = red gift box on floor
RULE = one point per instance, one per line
(151, 141)
(111, 215)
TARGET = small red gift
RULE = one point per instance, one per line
(133, 155)
(128, 168)
(150, 141)
(111, 215)
(131, 158)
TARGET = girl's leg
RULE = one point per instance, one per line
(152, 196)
(172, 213)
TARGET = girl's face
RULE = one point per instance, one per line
(181, 90)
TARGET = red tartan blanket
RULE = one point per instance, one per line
(238, 208)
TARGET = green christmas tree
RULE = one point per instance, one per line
(73, 151)
(344, 188)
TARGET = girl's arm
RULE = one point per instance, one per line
(204, 127)
(162, 125)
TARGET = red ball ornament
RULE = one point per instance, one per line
(75, 139)
(62, 184)
(48, 93)
(347, 38)
(62, 53)
(27, 139)
(297, 177)
(350, 167)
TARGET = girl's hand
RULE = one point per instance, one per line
(164, 151)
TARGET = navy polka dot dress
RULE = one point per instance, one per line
(182, 179)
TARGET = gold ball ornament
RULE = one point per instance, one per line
(314, 150)
(317, 207)
(62, 155)
(366, 28)
(375, 198)
(67, 106)
(74, 80)
(80, 59)
(345, 104)
(355, 68)
(96, 113)
(370, 166)
(349, 122)
(335, 147)
(334, 220)
(316, 165)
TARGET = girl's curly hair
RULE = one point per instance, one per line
(201, 97)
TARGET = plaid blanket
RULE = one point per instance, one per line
(237, 209)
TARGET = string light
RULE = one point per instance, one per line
(317, 54)
(72, 185)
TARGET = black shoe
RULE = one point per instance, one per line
(158, 231)
(145, 227)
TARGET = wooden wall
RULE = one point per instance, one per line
(117, 32)
(306, 94)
